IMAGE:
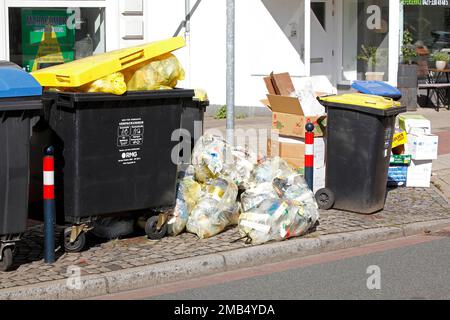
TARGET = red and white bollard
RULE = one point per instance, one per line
(309, 155)
(49, 205)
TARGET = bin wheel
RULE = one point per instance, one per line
(325, 198)
(7, 259)
(76, 246)
(151, 229)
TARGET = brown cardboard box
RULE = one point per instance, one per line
(290, 149)
(295, 163)
(287, 147)
(288, 117)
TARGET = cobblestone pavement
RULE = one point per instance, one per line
(403, 206)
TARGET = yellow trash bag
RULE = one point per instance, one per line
(113, 83)
(162, 72)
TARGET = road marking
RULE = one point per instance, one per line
(251, 272)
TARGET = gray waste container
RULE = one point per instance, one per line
(20, 102)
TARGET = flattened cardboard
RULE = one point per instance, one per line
(282, 83)
(285, 104)
(269, 85)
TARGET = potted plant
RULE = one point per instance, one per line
(407, 72)
(441, 59)
(371, 57)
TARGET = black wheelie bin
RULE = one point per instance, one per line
(192, 125)
(20, 103)
(113, 154)
(360, 128)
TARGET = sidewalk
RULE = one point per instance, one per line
(108, 267)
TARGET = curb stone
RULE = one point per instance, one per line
(135, 278)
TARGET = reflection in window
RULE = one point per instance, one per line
(42, 37)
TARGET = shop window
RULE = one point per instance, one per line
(429, 27)
(365, 32)
(42, 37)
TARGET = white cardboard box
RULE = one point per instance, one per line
(415, 124)
(423, 146)
(419, 174)
(319, 179)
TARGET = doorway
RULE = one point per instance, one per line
(323, 40)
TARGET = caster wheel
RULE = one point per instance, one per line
(325, 198)
(7, 259)
(76, 246)
(151, 230)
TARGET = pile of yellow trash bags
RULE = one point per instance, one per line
(162, 72)
(226, 186)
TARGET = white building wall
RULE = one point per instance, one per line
(261, 44)
(261, 47)
(270, 36)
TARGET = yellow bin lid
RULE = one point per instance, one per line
(362, 100)
(83, 71)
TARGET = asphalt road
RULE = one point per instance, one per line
(410, 268)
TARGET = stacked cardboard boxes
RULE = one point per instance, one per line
(423, 148)
(289, 119)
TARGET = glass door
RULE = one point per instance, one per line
(365, 40)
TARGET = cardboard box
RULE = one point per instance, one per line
(294, 148)
(319, 178)
(414, 123)
(423, 146)
(295, 163)
(288, 117)
(419, 174)
(397, 176)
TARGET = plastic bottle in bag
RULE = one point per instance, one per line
(188, 194)
(216, 210)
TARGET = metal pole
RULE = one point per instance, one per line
(187, 37)
(230, 70)
(49, 205)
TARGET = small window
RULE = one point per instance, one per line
(319, 11)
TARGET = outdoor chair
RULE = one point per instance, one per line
(439, 89)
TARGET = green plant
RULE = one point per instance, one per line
(221, 113)
(408, 49)
(369, 55)
(440, 56)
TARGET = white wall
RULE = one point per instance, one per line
(261, 46)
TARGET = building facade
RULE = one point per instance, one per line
(302, 37)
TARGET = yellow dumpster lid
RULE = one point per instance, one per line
(83, 71)
(362, 100)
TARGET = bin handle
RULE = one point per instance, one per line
(62, 78)
(63, 100)
(129, 59)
